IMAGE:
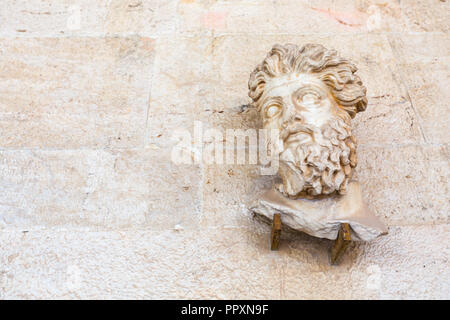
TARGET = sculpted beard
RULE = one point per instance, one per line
(321, 166)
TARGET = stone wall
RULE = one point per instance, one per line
(91, 205)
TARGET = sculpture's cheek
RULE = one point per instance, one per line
(318, 114)
(272, 123)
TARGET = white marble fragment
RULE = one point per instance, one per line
(322, 217)
(309, 95)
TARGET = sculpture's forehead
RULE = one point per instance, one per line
(287, 84)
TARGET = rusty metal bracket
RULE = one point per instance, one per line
(276, 232)
(340, 244)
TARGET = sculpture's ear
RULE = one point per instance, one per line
(353, 109)
(352, 99)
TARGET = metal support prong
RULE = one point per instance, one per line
(276, 232)
(340, 244)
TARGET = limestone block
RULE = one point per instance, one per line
(422, 15)
(228, 191)
(23, 18)
(97, 190)
(178, 88)
(148, 18)
(290, 16)
(423, 60)
(203, 17)
(91, 205)
(309, 17)
(406, 185)
(387, 122)
(173, 55)
(381, 269)
(131, 264)
(74, 92)
(220, 263)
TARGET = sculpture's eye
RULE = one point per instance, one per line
(310, 98)
(272, 111)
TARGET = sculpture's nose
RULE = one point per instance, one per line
(294, 119)
(290, 114)
(297, 118)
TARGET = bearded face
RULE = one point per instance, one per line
(316, 149)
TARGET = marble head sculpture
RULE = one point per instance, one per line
(310, 94)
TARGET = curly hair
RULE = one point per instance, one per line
(337, 73)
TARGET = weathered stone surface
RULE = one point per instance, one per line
(79, 152)
(297, 17)
(406, 184)
(24, 18)
(148, 18)
(131, 264)
(381, 269)
(83, 17)
(423, 62)
(422, 15)
(204, 17)
(183, 61)
(387, 122)
(228, 192)
(74, 92)
(97, 189)
(178, 87)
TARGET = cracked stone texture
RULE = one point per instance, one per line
(97, 189)
(220, 263)
(74, 92)
(91, 205)
(422, 58)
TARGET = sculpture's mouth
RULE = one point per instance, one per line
(299, 137)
